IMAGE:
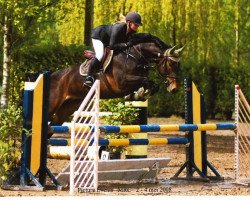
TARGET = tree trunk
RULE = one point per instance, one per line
(237, 33)
(89, 8)
(6, 62)
(174, 15)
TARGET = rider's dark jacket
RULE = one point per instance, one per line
(115, 36)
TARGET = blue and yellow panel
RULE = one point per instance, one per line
(197, 137)
(36, 140)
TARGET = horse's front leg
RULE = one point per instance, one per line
(132, 81)
(144, 87)
(154, 87)
(146, 91)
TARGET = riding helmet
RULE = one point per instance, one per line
(134, 17)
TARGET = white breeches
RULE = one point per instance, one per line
(99, 49)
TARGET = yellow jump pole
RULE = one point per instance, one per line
(138, 151)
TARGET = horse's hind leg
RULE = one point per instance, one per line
(65, 111)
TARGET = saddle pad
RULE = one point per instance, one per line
(83, 69)
(108, 60)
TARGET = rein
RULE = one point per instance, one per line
(163, 61)
(140, 54)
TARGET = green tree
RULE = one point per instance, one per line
(17, 21)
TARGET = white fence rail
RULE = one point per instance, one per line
(242, 138)
(84, 171)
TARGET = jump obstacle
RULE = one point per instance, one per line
(195, 138)
(242, 138)
(85, 173)
(34, 148)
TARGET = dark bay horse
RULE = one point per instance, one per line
(127, 72)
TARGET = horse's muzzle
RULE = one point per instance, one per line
(173, 87)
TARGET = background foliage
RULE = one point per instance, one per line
(10, 129)
(121, 115)
(49, 35)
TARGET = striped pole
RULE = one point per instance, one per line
(166, 128)
(121, 142)
(146, 128)
(236, 136)
(66, 128)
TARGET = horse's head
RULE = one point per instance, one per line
(167, 60)
(169, 66)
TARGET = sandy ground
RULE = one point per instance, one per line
(220, 155)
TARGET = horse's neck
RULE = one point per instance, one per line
(148, 51)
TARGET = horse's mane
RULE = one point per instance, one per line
(145, 38)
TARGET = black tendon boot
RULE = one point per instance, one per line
(94, 65)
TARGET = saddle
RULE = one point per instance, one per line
(89, 55)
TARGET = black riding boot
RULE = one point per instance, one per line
(95, 64)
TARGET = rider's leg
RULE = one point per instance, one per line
(96, 62)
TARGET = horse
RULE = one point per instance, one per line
(127, 73)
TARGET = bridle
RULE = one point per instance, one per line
(166, 74)
(163, 61)
(139, 52)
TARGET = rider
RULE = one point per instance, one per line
(115, 36)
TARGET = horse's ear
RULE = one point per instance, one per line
(179, 51)
(170, 51)
(173, 52)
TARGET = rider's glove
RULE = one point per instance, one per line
(129, 44)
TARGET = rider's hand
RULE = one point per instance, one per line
(129, 44)
(123, 46)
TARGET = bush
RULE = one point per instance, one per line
(121, 114)
(10, 137)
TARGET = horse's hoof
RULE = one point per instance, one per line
(147, 91)
(140, 91)
(127, 97)
(147, 96)
(136, 96)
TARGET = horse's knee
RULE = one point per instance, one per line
(155, 88)
(145, 83)
(122, 85)
(54, 120)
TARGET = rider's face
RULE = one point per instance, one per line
(134, 27)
